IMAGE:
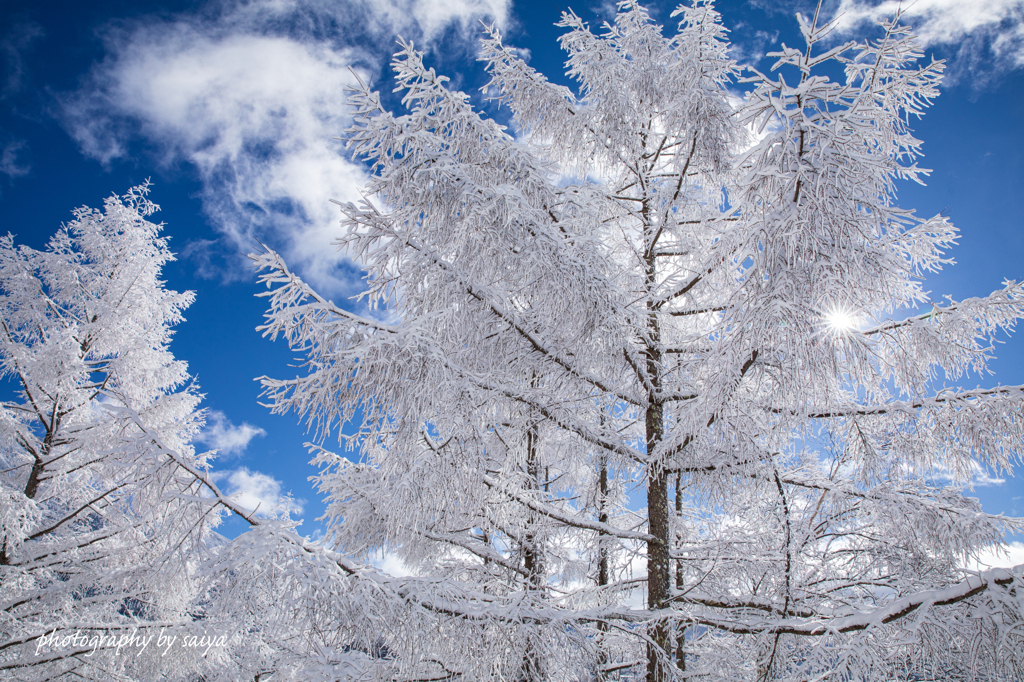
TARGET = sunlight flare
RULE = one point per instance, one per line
(840, 320)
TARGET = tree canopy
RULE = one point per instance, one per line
(657, 288)
(96, 462)
(647, 385)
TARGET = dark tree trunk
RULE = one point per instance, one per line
(603, 568)
(681, 636)
(658, 570)
(532, 666)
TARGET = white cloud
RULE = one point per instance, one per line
(950, 22)
(1005, 556)
(227, 438)
(391, 564)
(255, 108)
(984, 478)
(10, 165)
(979, 476)
(255, 115)
(258, 492)
(934, 21)
(433, 15)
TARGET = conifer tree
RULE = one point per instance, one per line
(98, 535)
(656, 286)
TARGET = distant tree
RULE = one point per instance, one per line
(99, 530)
(658, 287)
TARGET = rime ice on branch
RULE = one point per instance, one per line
(97, 531)
(655, 286)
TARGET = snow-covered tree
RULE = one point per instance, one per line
(106, 510)
(658, 285)
(99, 530)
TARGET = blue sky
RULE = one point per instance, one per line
(231, 109)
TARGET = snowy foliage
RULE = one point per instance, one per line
(99, 535)
(656, 289)
(655, 286)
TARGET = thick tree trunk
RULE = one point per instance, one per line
(533, 554)
(603, 576)
(658, 575)
(658, 571)
(32, 484)
(34, 477)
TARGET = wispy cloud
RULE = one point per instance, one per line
(936, 21)
(392, 564)
(985, 35)
(980, 477)
(15, 41)
(752, 44)
(430, 17)
(258, 492)
(12, 163)
(252, 96)
(217, 259)
(227, 438)
(985, 479)
(256, 117)
(999, 556)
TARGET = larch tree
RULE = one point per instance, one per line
(106, 510)
(100, 529)
(658, 285)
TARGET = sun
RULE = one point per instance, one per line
(840, 320)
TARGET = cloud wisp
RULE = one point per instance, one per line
(999, 556)
(254, 115)
(225, 437)
(16, 41)
(258, 492)
(253, 99)
(11, 163)
(429, 18)
(985, 35)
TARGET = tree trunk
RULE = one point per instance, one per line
(658, 583)
(532, 666)
(681, 635)
(603, 573)
(658, 571)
